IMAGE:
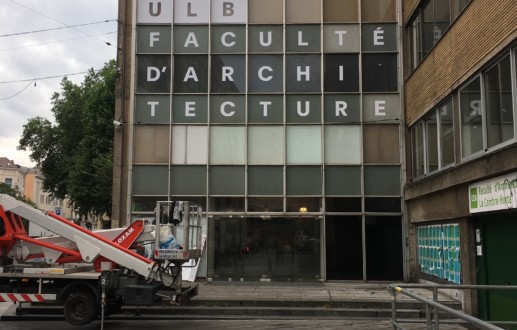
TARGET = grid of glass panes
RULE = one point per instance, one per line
(266, 105)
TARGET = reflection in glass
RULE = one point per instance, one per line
(282, 249)
(471, 118)
(446, 134)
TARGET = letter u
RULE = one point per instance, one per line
(158, 11)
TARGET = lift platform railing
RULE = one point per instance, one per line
(433, 307)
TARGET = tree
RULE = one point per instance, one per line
(75, 153)
(14, 192)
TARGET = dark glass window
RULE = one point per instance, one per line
(153, 74)
(226, 180)
(341, 73)
(343, 204)
(228, 74)
(191, 74)
(382, 204)
(265, 180)
(188, 180)
(380, 73)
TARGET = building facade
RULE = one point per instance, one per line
(12, 174)
(460, 109)
(282, 118)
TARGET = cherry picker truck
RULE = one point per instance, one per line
(95, 273)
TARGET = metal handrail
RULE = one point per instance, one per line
(433, 306)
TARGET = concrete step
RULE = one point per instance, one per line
(365, 311)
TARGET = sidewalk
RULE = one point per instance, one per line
(318, 292)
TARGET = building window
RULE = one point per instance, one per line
(487, 113)
(431, 21)
(433, 141)
(9, 182)
(498, 103)
(439, 251)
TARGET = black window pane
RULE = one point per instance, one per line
(342, 73)
(339, 204)
(380, 204)
(191, 74)
(153, 74)
(265, 204)
(226, 204)
(228, 74)
(380, 73)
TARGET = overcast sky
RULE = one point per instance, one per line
(27, 56)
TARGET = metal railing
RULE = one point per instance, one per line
(433, 307)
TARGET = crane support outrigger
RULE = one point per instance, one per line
(85, 269)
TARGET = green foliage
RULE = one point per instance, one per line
(75, 154)
(8, 190)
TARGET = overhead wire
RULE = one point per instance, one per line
(47, 77)
(57, 41)
(10, 97)
(55, 20)
(52, 29)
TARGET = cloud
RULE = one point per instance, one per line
(52, 59)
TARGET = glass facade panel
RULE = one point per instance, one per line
(303, 144)
(341, 38)
(303, 204)
(265, 204)
(226, 204)
(381, 108)
(382, 180)
(343, 204)
(303, 38)
(149, 180)
(189, 145)
(191, 39)
(227, 145)
(153, 39)
(228, 39)
(151, 144)
(153, 74)
(266, 145)
(343, 144)
(303, 73)
(228, 74)
(266, 11)
(378, 10)
(343, 180)
(152, 109)
(342, 108)
(342, 73)
(265, 180)
(188, 180)
(266, 73)
(191, 74)
(303, 109)
(380, 73)
(498, 102)
(381, 144)
(226, 180)
(265, 109)
(303, 11)
(333, 11)
(382, 204)
(190, 109)
(228, 109)
(379, 37)
(266, 38)
(471, 118)
(304, 180)
(282, 249)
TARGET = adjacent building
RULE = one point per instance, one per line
(12, 174)
(460, 109)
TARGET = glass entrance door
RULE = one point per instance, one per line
(251, 249)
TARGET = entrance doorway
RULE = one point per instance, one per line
(497, 265)
(276, 249)
(382, 247)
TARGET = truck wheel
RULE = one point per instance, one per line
(80, 308)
